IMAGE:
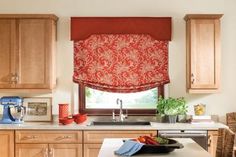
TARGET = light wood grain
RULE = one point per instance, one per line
(7, 143)
(29, 16)
(212, 142)
(31, 150)
(203, 53)
(48, 137)
(28, 54)
(91, 150)
(33, 60)
(65, 150)
(7, 52)
(98, 136)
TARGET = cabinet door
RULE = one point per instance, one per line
(31, 150)
(205, 53)
(212, 142)
(65, 150)
(7, 52)
(91, 150)
(34, 58)
(7, 143)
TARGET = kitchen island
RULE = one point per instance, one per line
(191, 148)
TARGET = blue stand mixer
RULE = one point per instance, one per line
(13, 111)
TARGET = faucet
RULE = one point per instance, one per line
(121, 116)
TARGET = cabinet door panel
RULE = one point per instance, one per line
(204, 56)
(65, 150)
(31, 150)
(7, 52)
(6, 143)
(91, 150)
(34, 53)
(212, 142)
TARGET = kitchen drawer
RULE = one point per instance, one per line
(98, 136)
(48, 137)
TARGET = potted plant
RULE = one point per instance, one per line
(160, 110)
(171, 107)
(183, 108)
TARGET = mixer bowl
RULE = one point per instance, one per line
(17, 112)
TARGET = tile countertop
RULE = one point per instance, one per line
(85, 126)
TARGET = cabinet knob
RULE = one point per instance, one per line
(51, 154)
(192, 78)
(14, 78)
(45, 154)
(209, 141)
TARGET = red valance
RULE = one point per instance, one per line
(158, 27)
(121, 62)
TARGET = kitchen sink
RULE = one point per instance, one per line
(120, 123)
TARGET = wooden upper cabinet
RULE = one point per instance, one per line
(28, 52)
(34, 53)
(7, 52)
(203, 53)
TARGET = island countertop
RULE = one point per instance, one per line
(191, 148)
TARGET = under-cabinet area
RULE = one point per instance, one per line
(82, 143)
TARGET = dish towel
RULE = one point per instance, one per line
(129, 148)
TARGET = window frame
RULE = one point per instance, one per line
(101, 112)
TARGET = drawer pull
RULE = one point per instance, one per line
(51, 154)
(45, 152)
(64, 137)
(30, 137)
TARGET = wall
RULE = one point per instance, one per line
(220, 103)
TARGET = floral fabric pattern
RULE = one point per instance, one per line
(121, 62)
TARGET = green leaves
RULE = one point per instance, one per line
(171, 106)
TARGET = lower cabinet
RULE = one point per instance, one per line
(212, 142)
(65, 150)
(93, 139)
(91, 150)
(48, 144)
(6, 143)
(31, 150)
(48, 150)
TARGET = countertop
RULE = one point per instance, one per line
(191, 148)
(86, 126)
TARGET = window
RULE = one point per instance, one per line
(98, 102)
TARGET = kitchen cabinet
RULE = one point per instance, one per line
(48, 143)
(31, 150)
(7, 143)
(27, 52)
(212, 142)
(91, 150)
(203, 53)
(93, 139)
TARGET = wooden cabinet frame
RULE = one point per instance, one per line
(203, 53)
(32, 52)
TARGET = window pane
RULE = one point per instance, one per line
(96, 99)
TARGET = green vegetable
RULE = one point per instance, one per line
(162, 140)
(171, 106)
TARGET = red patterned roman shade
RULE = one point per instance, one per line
(121, 62)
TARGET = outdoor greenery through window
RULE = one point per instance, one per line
(96, 99)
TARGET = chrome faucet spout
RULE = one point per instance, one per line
(121, 115)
